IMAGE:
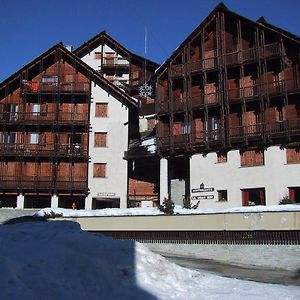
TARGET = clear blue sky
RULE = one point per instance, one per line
(30, 27)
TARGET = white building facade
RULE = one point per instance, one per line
(108, 140)
(215, 184)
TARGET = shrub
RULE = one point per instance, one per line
(167, 207)
(187, 202)
(286, 200)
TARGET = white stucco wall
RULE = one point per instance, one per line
(275, 176)
(116, 126)
(90, 58)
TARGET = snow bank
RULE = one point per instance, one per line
(57, 260)
(51, 212)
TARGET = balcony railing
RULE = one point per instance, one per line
(19, 149)
(55, 87)
(44, 117)
(236, 57)
(36, 182)
(115, 62)
(176, 70)
(240, 134)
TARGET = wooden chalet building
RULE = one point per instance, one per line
(228, 109)
(52, 113)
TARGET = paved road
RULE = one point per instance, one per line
(284, 277)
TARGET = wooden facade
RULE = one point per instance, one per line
(44, 125)
(232, 84)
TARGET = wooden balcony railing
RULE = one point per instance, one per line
(55, 87)
(272, 49)
(232, 58)
(36, 182)
(240, 134)
(115, 62)
(44, 117)
(19, 149)
(176, 70)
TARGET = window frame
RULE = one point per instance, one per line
(98, 104)
(95, 174)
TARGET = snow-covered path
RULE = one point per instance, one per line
(57, 260)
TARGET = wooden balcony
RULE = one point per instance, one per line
(176, 70)
(42, 183)
(252, 54)
(233, 58)
(275, 88)
(258, 133)
(34, 87)
(43, 150)
(44, 118)
(115, 62)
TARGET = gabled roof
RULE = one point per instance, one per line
(261, 22)
(103, 37)
(89, 72)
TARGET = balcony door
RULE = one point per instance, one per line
(213, 128)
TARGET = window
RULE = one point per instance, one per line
(294, 194)
(101, 109)
(100, 139)
(50, 79)
(99, 170)
(98, 55)
(9, 138)
(213, 128)
(10, 112)
(186, 127)
(252, 158)
(222, 195)
(34, 138)
(293, 156)
(253, 197)
(36, 109)
(221, 157)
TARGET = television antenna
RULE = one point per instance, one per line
(145, 90)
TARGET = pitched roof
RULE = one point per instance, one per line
(90, 72)
(261, 22)
(101, 37)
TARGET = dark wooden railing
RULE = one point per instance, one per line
(236, 57)
(9, 149)
(115, 62)
(54, 87)
(42, 182)
(255, 132)
(44, 117)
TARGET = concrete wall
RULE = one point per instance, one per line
(220, 222)
(275, 176)
(116, 125)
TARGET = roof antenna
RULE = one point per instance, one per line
(145, 90)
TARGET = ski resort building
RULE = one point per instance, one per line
(59, 122)
(221, 127)
(228, 108)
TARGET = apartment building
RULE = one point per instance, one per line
(227, 102)
(128, 72)
(64, 131)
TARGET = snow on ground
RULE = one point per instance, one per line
(57, 260)
(155, 211)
